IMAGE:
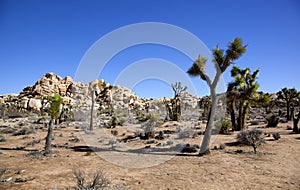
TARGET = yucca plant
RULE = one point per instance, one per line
(54, 110)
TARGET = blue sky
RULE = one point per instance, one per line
(52, 36)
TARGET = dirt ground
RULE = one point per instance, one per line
(275, 166)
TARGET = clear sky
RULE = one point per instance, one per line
(39, 36)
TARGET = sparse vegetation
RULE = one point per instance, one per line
(253, 137)
(223, 126)
(272, 120)
(276, 136)
(98, 181)
(150, 125)
(2, 138)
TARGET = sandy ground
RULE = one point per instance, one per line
(276, 166)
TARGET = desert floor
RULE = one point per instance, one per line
(275, 166)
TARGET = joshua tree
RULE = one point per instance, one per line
(92, 108)
(174, 110)
(3, 110)
(289, 96)
(54, 112)
(44, 100)
(222, 61)
(296, 118)
(295, 123)
(205, 104)
(242, 92)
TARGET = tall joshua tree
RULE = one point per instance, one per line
(289, 96)
(242, 92)
(222, 61)
(55, 102)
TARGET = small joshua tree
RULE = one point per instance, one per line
(289, 96)
(174, 105)
(251, 137)
(54, 112)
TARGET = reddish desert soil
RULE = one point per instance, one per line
(275, 166)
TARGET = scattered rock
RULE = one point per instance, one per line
(74, 139)
(23, 179)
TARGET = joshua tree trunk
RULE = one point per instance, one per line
(207, 135)
(92, 110)
(3, 114)
(48, 149)
(295, 123)
(240, 117)
(288, 111)
(244, 115)
(232, 115)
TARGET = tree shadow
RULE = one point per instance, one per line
(168, 151)
(235, 143)
(20, 148)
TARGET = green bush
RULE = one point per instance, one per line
(273, 121)
(224, 126)
(113, 122)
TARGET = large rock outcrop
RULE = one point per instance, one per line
(50, 83)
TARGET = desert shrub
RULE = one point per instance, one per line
(150, 125)
(32, 143)
(122, 120)
(255, 122)
(24, 131)
(98, 181)
(2, 172)
(2, 138)
(224, 126)
(35, 154)
(186, 133)
(7, 130)
(253, 137)
(141, 117)
(276, 136)
(272, 120)
(14, 112)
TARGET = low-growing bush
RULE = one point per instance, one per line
(253, 137)
(150, 125)
(98, 181)
(224, 126)
(276, 136)
(2, 138)
(7, 130)
(186, 133)
(272, 120)
(24, 131)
